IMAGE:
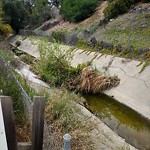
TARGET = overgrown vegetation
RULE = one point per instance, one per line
(9, 84)
(54, 66)
(10, 88)
(78, 10)
(6, 56)
(59, 36)
(90, 81)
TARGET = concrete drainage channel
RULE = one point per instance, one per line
(133, 90)
(39, 85)
(131, 73)
(127, 123)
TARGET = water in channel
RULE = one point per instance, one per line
(127, 123)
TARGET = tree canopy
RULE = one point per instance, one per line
(77, 10)
(5, 29)
(20, 13)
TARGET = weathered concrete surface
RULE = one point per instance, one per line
(32, 79)
(27, 45)
(101, 134)
(134, 88)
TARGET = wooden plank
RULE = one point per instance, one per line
(3, 142)
(7, 109)
(38, 123)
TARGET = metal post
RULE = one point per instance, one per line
(67, 139)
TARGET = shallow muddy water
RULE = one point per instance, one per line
(127, 123)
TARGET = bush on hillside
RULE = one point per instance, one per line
(59, 36)
(117, 7)
(77, 10)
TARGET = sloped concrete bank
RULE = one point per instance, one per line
(134, 88)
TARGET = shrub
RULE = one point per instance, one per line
(5, 30)
(78, 10)
(59, 36)
(53, 65)
(117, 7)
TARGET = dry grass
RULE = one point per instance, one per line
(90, 81)
(23, 131)
(61, 118)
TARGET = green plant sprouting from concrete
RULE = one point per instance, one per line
(54, 64)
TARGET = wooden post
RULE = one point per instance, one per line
(38, 122)
(7, 109)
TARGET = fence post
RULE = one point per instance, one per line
(38, 122)
(7, 110)
(67, 139)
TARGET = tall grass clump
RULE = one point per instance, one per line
(9, 88)
(54, 68)
(90, 81)
(54, 64)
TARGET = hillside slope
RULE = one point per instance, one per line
(131, 28)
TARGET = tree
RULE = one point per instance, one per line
(16, 14)
(5, 29)
(20, 13)
(77, 10)
(41, 9)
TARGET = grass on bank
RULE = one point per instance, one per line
(62, 116)
(9, 86)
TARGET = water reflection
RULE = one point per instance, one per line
(124, 121)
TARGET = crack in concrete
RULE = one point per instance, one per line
(131, 77)
(124, 82)
(146, 85)
(119, 68)
(109, 64)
